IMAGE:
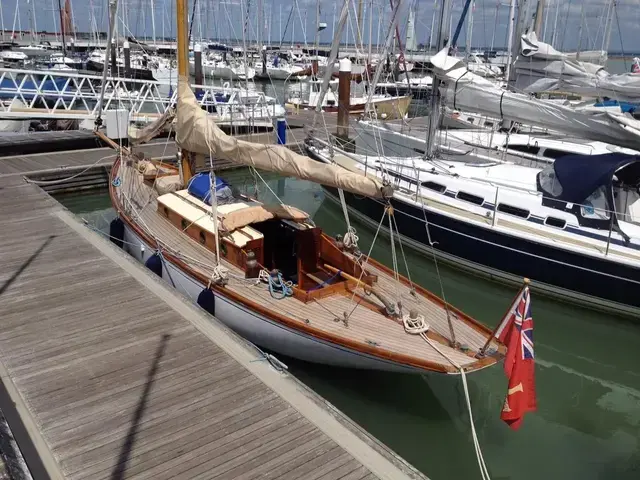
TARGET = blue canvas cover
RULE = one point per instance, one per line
(581, 175)
(200, 187)
(49, 89)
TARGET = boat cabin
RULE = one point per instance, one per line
(593, 186)
(255, 237)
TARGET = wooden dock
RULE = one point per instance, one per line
(109, 373)
(83, 158)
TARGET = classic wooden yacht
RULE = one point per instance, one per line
(268, 272)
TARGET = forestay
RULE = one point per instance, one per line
(467, 91)
(541, 68)
(198, 133)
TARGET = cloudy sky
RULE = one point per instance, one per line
(296, 19)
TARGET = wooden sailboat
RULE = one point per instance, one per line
(269, 273)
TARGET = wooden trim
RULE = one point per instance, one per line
(376, 352)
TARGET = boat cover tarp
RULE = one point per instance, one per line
(200, 187)
(470, 92)
(261, 213)
(541, 68)
(198, 133)
(49, 88)
(581, 175)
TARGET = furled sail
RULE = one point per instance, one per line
(198, 133)
(541, 68)
(467, 91)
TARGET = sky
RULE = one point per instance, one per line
(296, 19)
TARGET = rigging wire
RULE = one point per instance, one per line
(193, 14)
(624, 57)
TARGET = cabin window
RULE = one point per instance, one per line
(530, 149)
(470, 119)
(553, 153)
(203, 237)
(166, 212)
(184, 224)
(434, 186)
(596, 206)
(223, 249)
(555, 222)
(488, 124)
(549, 182)
(511, 210)
(468, 197)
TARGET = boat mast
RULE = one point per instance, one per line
(317, 39)
(182, 51)
(62, 21)
(153, 22)
(512, 20)
(555, 24)
(582, 20)
(539, 14)
(34, 25)
(469, 31)
(359, 23)
(370, 31)
(434, 113)
(606, 38)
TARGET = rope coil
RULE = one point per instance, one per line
(414, 323)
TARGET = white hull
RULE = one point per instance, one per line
(259, 329)
(281, 74)
(228, 73)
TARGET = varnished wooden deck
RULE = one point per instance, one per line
(115, 376)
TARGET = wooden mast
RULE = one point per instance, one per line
(186, 167)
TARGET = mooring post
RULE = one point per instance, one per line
(344, 99)
(264, 61)
(197, 59)
(126, 50)
(114, 61)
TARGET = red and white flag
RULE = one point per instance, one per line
(516, 332)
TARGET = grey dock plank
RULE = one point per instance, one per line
(114, 375)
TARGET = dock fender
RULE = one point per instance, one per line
(116, 231)
(154, 263)
(207, 300)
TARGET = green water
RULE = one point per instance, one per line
(588, 383)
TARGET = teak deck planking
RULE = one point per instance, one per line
(116, 383)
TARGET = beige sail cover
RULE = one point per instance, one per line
(198, 133)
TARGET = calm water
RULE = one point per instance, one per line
(588, 421)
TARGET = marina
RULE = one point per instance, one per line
(309, 241)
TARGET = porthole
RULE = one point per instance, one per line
(469, 197)
(511, 210)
